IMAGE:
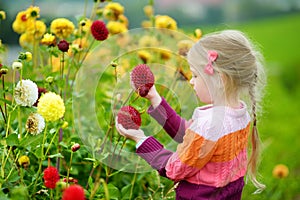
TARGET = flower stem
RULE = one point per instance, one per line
(4, 97)
(40, 161)
(54, 136)
(133, 180)
(62, 64)
(70, 165)
(59, 140)
(20, 121)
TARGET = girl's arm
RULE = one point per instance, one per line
(150, 149)
(166, 116)
(191, 155)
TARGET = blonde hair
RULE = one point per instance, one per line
(240, 66)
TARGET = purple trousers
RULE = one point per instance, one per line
(189, 191)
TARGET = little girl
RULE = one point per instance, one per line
(211, 158)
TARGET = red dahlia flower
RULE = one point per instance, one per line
(99, 30)
(73, 192)
(63, 45)
(129, 117)
(51, 177)
(142, 79)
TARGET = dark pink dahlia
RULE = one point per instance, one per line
(63, 45)
(99, 30)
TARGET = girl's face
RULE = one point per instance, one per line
(200, 87)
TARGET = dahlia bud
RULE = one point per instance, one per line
(65, 125)
(75, 147)
(28, 56)
(148, 10)
(24, 161)
(99, 30)
(3, 71)
(25, 56)
(70, 180)
(17, 65)
(198, 33)
(63, 45)
(114, 64)
(49, 79)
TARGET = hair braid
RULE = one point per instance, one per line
(255, 141)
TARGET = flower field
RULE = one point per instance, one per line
(60, 97)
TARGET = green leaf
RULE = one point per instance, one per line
(58, 155)
(90, 159)
(12, 140)
(3, 196)
(64, 145)
(14, 177)
(90, 181)
(38, 152)
(19, 192)
(125, 191)
(52, 131)
(114, 192)
(31, 140)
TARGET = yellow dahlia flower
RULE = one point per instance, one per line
(123, 19)
(115, 27)
(24, 161)
(21, 22)
(164, 21)
(146, 24)
(198, 33)
(112, 11)
(33, 12)
(184, 46)
(85, 25)
(148, 10)
(148, 41)
(48, 39)
(37, 29)
(2, 15)
(51, 106)
(165, 54)
(25, 40)
(62, 27)
(145, 56)
(280, 171)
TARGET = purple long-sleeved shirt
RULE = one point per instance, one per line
(157, 156)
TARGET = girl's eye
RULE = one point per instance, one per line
(194, 76)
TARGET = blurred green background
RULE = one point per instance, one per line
(273, 24)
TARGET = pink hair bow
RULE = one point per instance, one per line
(211, 56)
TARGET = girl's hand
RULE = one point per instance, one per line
(153, 96)
(132, 134)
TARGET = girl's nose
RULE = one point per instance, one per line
(192, 81)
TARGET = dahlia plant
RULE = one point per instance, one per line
(60, 97)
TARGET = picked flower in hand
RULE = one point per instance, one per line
(129, 117)
(142, 79)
